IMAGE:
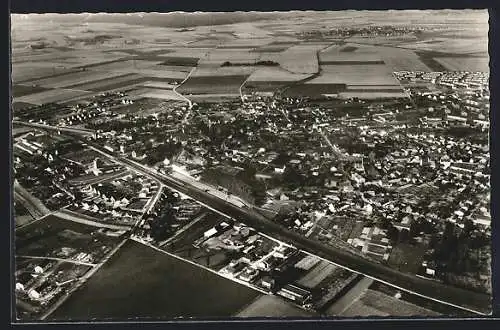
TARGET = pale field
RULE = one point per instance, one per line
(211, 43)
(158, 72)
(248, 30)
(355, 88)
(158, 84)
(202, 71)
(375, 303)
(402, 60)
(362, 74)
(385, 40)
(91, 59)
(126, 65)
(75, 78)
(361, 53)
(250, 43)
(272, 306)
(372, 95)
(456, 46)
(299, 59)
(53, 95)
(275, 74)
(219, 56)
(471, 64)
(187, 52)
(142, 92)
(397, 59)
(351, 56)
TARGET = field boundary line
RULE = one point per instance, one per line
(82, 280)
(134, 238)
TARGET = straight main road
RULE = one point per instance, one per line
(474, 302)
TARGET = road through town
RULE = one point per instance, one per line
(473, 302)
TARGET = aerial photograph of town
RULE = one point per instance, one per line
(228, 165)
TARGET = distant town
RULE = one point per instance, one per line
(321, 197)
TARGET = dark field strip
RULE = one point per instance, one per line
(286, 43)
(430, 53)
(269, 50)
(68, 72)
(180, 61)
(348, 49)
(86, 66)
(427, 57)
(22, 90)
(139, 52)
(157, 88)
(236, 47)
(350, 62)
(141, 283)
(431, 62)
(265, 86)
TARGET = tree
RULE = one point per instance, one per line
(393, 234)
